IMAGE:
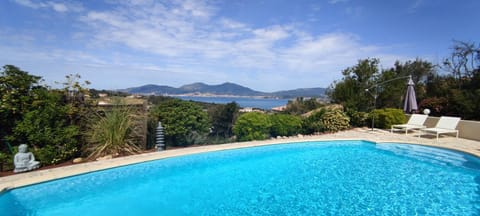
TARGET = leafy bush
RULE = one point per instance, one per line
(335, 120)
(219, 140)
(385, 118)
(183, 122)
(285, 125)
(437, 105)
(252, 126)
(46, 129)
(223, 118)
(15, 96)
(357, 119)
(3, 160)
(195, 138)
(314, 123)
(46, 155)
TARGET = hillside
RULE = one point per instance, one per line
(302, 92)
(222, 89)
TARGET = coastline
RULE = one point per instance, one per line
(224, 96)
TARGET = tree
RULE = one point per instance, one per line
(45, 127)
(252, 126)
(74, 91)
(350, 91)
(181, 120)
(457, 92)
(223, 117)
(36, 115)
(392, 93)
(16, 96)
(464, 60)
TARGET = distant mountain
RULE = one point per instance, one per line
(302, 92)
(222, 89)
(154, 89)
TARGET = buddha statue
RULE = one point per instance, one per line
(24, 160)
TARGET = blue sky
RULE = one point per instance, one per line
(266, 45)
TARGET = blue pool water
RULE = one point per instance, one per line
(311, 178)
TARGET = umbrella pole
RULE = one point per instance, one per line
(375, 95)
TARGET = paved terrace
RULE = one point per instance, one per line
(23, 179)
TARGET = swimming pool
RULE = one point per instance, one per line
(310, 178)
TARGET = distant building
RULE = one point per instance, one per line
(135, 96)
(246, 109)
(250, 109)
(280, 108)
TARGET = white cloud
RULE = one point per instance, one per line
(337, 1)
(168, 42)
(415, 5)
(190, 35)
(57, 6)
(28, 3)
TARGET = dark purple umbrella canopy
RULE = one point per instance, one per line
(410, 103)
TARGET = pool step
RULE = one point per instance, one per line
(434, 155)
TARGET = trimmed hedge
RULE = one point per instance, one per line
(385, 118)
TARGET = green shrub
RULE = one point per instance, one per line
(219, 140)
(184, 122)
(385, 118)
(46, 155)
(314, 123)
(3, 160)
(285, 125)
(46, 130)
(252, 126)
(335, 120)
(437, 106)
(358, 119)
(223, 117)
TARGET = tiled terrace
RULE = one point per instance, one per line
(18, 180)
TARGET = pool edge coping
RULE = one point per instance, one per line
(35, 177)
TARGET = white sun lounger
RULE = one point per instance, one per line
(446, 124)
(415, 122)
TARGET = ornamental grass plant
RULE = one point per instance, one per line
(112, 132)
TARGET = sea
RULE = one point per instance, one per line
(262, 103)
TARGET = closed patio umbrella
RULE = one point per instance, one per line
(410, 103)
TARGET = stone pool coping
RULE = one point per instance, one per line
(376, 136)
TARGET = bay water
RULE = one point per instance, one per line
(262, 103)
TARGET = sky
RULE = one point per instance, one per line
(266, 45)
